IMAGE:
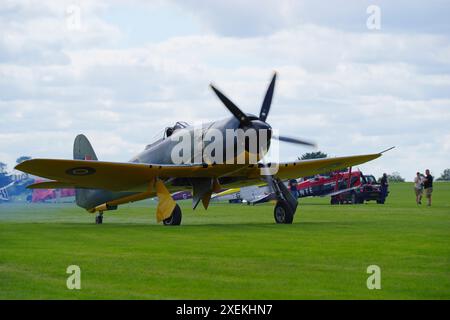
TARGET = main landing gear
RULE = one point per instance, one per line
(283, 213)
(99, 218)
(286, 203)
(175, 218)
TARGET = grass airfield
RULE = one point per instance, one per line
(230, 251)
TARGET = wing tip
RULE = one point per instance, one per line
(21, 166)
(388, 149)
(26, 166)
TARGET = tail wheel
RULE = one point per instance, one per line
(175, 218)
(283, 213)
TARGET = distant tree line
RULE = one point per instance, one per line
(313, 155)
(445, 176)
(22, 159)
(396, 177)
(393, 177)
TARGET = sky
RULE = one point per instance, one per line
(121, 71)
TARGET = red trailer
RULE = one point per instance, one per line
(343, 187)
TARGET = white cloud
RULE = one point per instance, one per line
(351, 91)
(262, 17)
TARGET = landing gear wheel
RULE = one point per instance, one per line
(99, 218)
(283, 212)
(175, 218)
(334, 201)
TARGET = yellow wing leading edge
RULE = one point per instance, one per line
(115, 176)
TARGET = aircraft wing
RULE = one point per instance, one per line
(50, 185)
(335, 193)
(226, 193)
(116, 176)
(304, 168)
(263, 198)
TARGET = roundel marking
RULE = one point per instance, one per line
(80, 171)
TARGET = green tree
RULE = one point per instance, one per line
(313, 155)
(22, 159)
(394, 177)
(445, 176)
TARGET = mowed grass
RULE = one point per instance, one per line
(230, 251)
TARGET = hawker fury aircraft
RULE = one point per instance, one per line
(159, 171)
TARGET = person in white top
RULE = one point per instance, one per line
(418, 187)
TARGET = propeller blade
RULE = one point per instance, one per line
(265, 108)
(295, 141)
(237, 113)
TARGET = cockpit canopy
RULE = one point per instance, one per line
(170, 130)
(167, 132)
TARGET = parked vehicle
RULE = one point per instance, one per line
(343, 187)
(363, 188)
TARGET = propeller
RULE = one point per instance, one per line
(248, 121)
(295, 140)
(234, 109)
(265, 108)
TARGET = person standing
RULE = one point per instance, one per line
(418, 187)
(383, 188)
(428, 186)
(293, 187)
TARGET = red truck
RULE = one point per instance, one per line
(343, 187)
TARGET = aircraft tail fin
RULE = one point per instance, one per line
(82, 150)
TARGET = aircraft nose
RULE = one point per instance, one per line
(259, 126)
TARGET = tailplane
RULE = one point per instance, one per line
(82, 150)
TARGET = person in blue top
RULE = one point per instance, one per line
(383, 188)
(293, 188)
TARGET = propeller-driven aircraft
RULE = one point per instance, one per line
(102, 186)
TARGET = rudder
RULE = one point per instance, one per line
(82, 150)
